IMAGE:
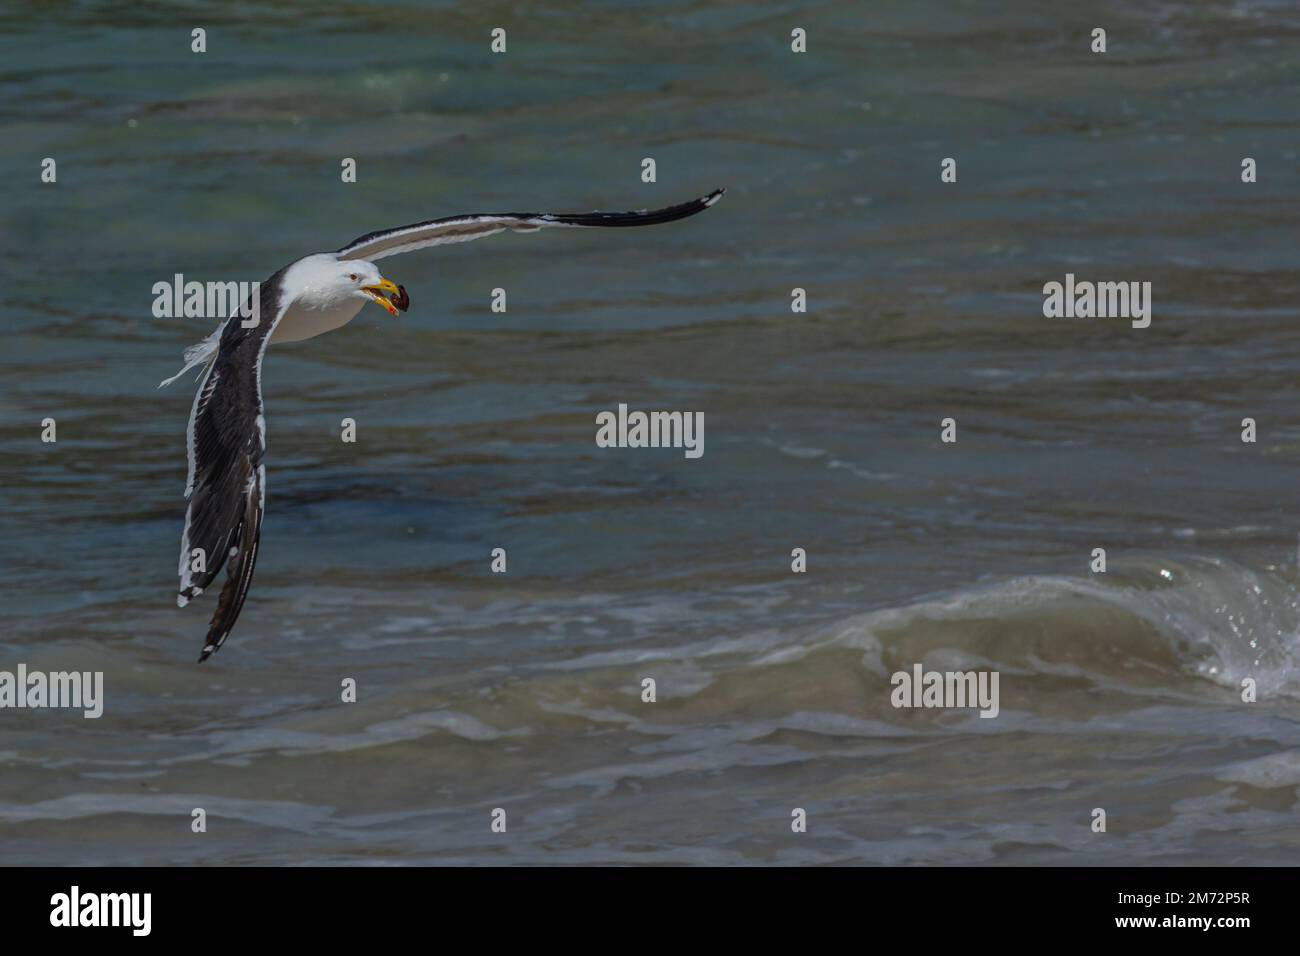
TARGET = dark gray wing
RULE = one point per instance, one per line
(226, 487)
(436, 232)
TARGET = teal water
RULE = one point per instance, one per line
(475, 431)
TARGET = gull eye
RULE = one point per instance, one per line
(353, 277)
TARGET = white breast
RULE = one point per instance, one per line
(302, 323)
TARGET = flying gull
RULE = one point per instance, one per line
(226, 439)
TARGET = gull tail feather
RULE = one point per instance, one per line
(197, 354)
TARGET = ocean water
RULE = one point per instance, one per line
(522, 691)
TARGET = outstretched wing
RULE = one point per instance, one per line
(226, 487)
(436, 232)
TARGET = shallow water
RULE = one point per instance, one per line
(475, 431)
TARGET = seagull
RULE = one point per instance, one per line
(226, 438)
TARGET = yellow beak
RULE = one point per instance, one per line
(381, 292)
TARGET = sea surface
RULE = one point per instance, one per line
(522, 691)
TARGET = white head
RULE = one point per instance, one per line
(324, 281)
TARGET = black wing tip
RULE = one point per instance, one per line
(208, 651)
(643, 217)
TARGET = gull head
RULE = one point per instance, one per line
(328, 281)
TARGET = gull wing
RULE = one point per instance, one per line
(437, 232)
(226, 486)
